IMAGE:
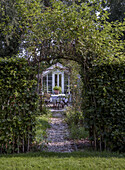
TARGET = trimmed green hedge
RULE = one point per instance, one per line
(18, 105)
(104, 106)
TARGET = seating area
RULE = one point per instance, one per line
(55, 86)
(57, 101)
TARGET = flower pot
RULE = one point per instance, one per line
(56, 91)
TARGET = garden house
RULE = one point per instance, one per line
(56, 75)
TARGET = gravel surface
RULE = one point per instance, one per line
(58, 134)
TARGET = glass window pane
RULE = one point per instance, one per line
(55, 79)
(65, 83)
(60, 80)
(50, 82)
(44, 84)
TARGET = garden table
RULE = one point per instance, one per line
(58, 100)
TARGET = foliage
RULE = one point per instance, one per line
(17, 19)
(78, 132)
(55, 161)
(73, 116)
(82, 33)
(104, 105)
(42, 125)
(19, 105)
(117, 10)
(85, 37)
(45, 110)
(75, 86)
(70, 31)
(75, 120)
(57, 88)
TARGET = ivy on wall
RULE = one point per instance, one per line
(18, 105)
(104, 105)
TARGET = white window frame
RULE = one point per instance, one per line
(62, 79)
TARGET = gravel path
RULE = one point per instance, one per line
(58, 134)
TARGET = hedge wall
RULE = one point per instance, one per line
(18, 105)
(105, 106)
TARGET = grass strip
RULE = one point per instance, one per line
(63, 161)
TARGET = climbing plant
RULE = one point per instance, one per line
(18, 105)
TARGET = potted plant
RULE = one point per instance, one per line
(57, 89)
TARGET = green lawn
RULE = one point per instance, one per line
(63, 161)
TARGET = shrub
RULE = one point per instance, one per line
(104, 107)
(74, 119)
(19, 105)
(58, 88)
(78, 132)
(73, 116)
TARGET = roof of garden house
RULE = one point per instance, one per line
(57, 66)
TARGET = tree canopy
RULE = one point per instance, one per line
(77, 31)
(16, 19)
(67, 29)
(116, 9)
